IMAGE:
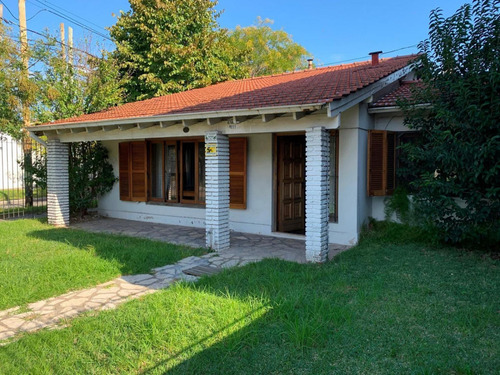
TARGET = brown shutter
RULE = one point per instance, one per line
(124, 173)
(377, 162)
(391, 163)
(238, 173)
(138, 171)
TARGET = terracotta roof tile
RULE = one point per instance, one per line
(402, 92)
(313, 86)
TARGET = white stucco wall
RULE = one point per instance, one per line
(256, 218)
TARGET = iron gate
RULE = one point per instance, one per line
(22, 178)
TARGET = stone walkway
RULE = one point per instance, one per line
(245, 248)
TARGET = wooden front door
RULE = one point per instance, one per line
(291, 183)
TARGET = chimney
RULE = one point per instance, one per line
(310, 63)
(374, 56)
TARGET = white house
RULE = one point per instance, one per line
(308, 154)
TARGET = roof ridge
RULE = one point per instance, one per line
(291, 88)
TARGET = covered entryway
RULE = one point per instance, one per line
(291, 160)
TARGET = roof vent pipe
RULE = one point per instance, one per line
(310, 63)
(374, 56)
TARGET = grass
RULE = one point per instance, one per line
(38, 261)
(11, 194)
(393, 304)
(14, 211)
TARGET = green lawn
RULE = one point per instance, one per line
(38, 261)
(10, 194)
(391, 305)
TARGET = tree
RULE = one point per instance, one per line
(10, 102)
(168, 46)
(266, 51)
(71, 88)
(458, 156)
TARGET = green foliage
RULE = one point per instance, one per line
(168, 46)
(90, 175)
(10, 65)
(267, 51)
(399, 204)
(457, 157)
(70, 88)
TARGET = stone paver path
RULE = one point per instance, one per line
(245, 248)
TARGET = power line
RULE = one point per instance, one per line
(36, 14)
(58, 13)
(6, 7)
(46, 37)
(399, 49)
(364, 57)
(45, 2)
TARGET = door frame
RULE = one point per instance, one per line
(275, 184)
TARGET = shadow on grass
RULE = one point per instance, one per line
(382, 310)
(133, 255)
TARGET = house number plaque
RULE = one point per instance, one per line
(210, 149)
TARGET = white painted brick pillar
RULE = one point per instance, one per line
(317, 191)
(217, 190)
(57, 183)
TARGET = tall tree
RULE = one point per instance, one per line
(168, 46)
(71, 88)
(267, 51)
(458, 157)
(10, 77)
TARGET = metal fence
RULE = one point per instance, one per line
(22, 183)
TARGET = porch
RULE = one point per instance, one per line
(244, 247)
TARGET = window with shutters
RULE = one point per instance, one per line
(383, 160)
(173, 171)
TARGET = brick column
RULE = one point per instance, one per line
(317, 191)
(57, 183)
(217, 190)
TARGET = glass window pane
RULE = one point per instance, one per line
(201, 172)
(171, 173)
(156, 170)
(188, 171)
(333, 176)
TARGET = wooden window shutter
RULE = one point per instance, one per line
(238, 173)
(377, 162)
(133, 171)
(138, 171)
(124, 173)
(381, 162)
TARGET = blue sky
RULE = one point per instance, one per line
(331, 30)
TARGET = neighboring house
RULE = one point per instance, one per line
(305, 153)
(11, 173)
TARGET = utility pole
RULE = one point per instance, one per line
(63, 41)
(1, 12)
(70, 45)
(27, 146)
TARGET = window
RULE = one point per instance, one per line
(173, 171)
(334, 176)
(383, 160)
(177, 171)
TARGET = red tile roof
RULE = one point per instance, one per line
(402, 92)
(314, 86)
